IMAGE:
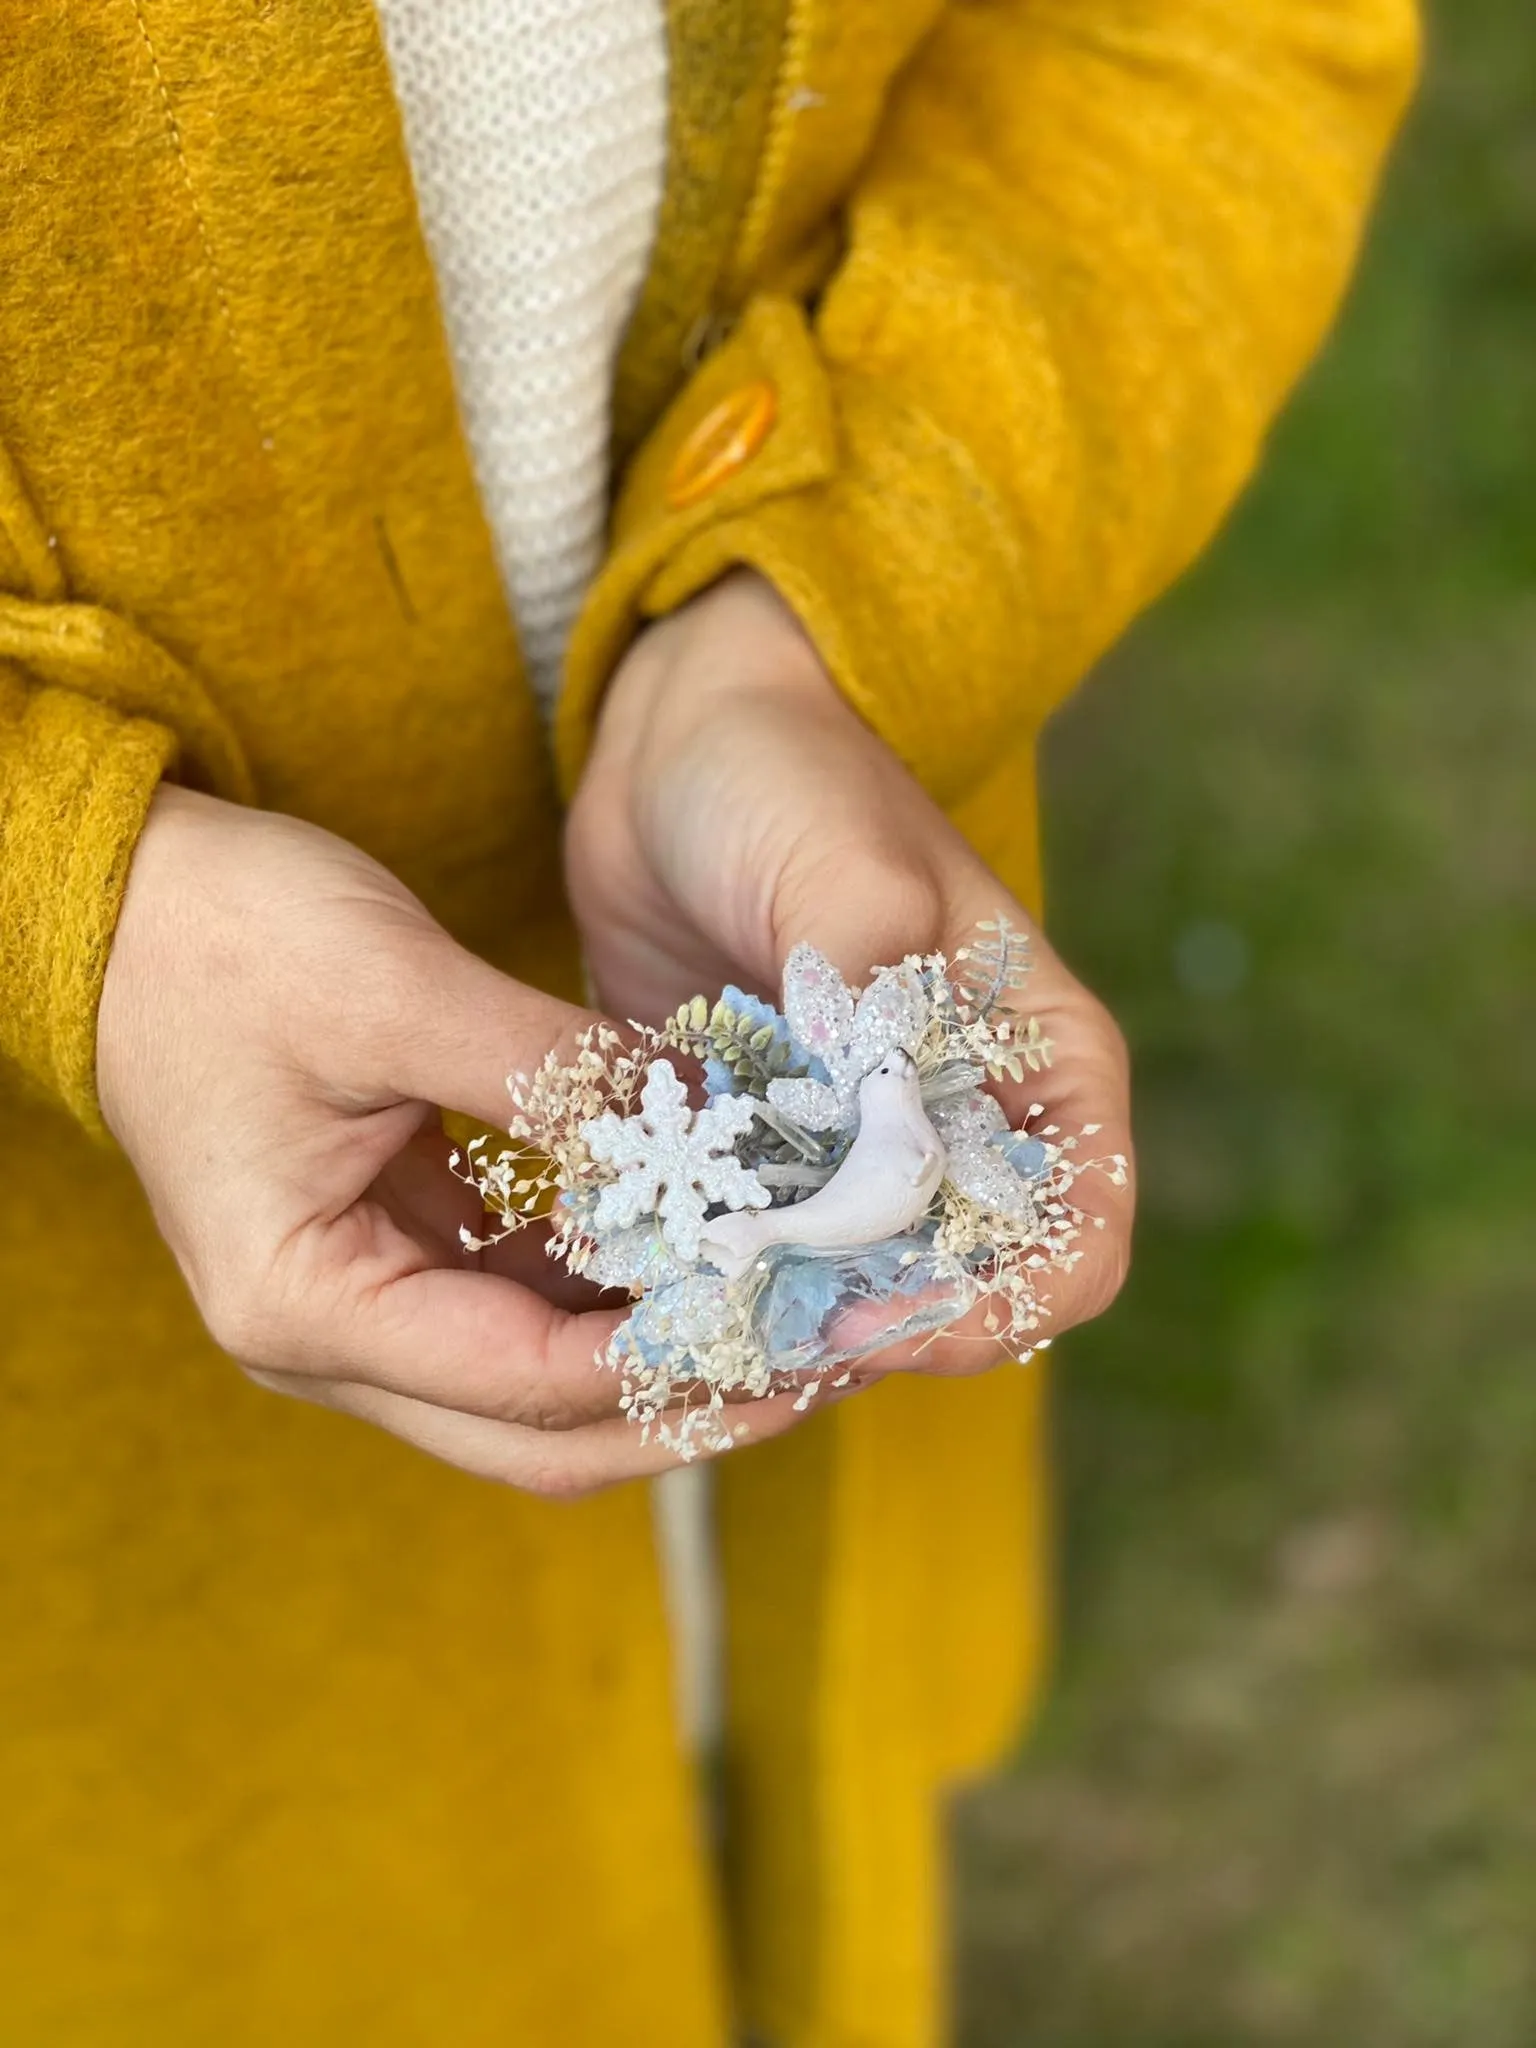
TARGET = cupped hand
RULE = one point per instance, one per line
(279, 1020)
(735, 805)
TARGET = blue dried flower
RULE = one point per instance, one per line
(797, 1301)
(718, 1078)
(1027, 1155)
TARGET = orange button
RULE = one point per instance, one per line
(727, 437)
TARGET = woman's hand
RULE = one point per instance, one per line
(279, 1018)
(735, 805)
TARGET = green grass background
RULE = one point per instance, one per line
(1285, 1790)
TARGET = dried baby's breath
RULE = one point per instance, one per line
(1003, 1220)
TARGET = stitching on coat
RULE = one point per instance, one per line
(204, 239)
(768, 186)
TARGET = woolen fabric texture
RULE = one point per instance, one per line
(304, 1738)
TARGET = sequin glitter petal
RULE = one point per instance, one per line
(636, 1258)
(892, 1011)
(818, 1003)
(970, 1129)
(850, 1037)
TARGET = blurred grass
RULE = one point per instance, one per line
(1285, 1792)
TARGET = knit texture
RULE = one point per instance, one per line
(307, 1739)
(537, 132)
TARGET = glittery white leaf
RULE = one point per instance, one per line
(892, 1011)
(818, 1003)
(673, 1161)
(850, 1039)
(975, 1166)
(812, 1104)
(638, 1257)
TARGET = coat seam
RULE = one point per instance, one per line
(768, 184)
(210, 260)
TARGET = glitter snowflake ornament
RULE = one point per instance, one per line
(673, 1161)
(843, 1179)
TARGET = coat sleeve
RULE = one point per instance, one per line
(92, 714)
(76, 779)
(1093, 246)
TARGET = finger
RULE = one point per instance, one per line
(958, 1352)
(1081, 1097)
(1065, 1295)
(427, 1199)
(525, 1258)
(355, 1298)
(1081, 1092)
(480, 1344)
(876, 886)
(980, 1340)
(433, 1022)
(433, 1204)
(366, 1310)
(563, 1466)
(470, 1341)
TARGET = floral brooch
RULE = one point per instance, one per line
(840, 1178)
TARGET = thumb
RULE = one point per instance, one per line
(886, 880)
(865, 907)
(448, 1028)
(902, 880)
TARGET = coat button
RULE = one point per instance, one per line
(727, 438)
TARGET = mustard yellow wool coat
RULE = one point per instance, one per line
(304, 1739)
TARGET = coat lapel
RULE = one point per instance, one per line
(723, 67)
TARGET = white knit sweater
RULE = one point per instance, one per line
(537, 136)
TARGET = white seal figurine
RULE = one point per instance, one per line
(882, 1188)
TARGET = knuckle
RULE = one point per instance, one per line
(1104, 1279)
(553, 1479)
(269, 1382)
(1100, 1030)
(376, 1012)
(247, 1316)
(887, 902)
(1119, 1051)
(1117, 1270)
(913, 905)
(531, 1395)
(541, 1408)
(232, 1310)
(901, 903)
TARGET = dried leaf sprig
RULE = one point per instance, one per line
(973, 1022)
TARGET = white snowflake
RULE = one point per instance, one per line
(673, 1161)
(849, 1037)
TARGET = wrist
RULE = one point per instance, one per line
(736, 641)
(758, 636)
